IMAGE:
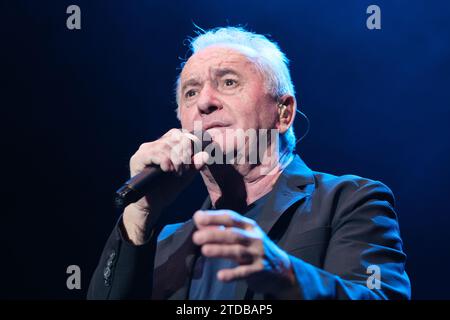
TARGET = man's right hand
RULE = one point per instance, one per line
(172, 153)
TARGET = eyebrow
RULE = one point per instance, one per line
(190, 82)
(224, 71)
(220, 72)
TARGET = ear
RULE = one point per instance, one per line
(287, 107)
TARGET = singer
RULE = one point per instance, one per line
(271, 228)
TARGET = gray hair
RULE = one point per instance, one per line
(266, 55)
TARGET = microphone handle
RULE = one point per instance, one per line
(135, 188)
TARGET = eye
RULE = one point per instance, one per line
(190, 93)
(230, 82)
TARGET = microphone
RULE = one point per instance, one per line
(136, 187)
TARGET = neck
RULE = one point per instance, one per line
(236, 186)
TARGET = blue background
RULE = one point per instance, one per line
(77, 104)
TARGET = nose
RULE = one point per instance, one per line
(208, 101)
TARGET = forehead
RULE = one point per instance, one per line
(216, 57)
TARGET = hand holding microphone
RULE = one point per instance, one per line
(160, 170)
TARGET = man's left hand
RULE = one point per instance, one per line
(227, 234)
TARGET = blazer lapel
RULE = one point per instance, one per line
(294, 184)
(174, 262)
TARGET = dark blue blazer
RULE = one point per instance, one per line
(333, 227)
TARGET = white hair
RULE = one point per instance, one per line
(266, 55)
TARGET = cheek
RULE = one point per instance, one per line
(186, 121)
(245, 111)
(269, 117)
(258, 107)
(259, 112)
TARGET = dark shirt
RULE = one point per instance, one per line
(204, 284)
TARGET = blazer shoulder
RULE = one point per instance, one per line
(351, 186)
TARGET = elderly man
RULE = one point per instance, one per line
(269, 229)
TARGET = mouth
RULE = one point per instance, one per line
(215, 124)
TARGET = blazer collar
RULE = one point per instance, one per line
(295, 183)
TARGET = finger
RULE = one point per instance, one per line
(226, 218)
(200, 160)
(238, 273)
(164, 163)
(175, 158)
(181, 152)
(236, 252)
(173, 133)
(180, 155)
(221, 236)
(149, 150)
(186, 151)
(194, 140)
(148, 159)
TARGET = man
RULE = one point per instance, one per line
(269, 229)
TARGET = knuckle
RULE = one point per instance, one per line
(206, 250)
(236, 236)
(195, 236)
(132, 159)
(174, 131)
(170, 144)
(197, 216)
(239, 236)
(165, 164)
(241, 252)
(171, 134)
(258, 245)
(259, 266)
(251, 222)
(228, 218)
(144, 145)
(162, 145)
